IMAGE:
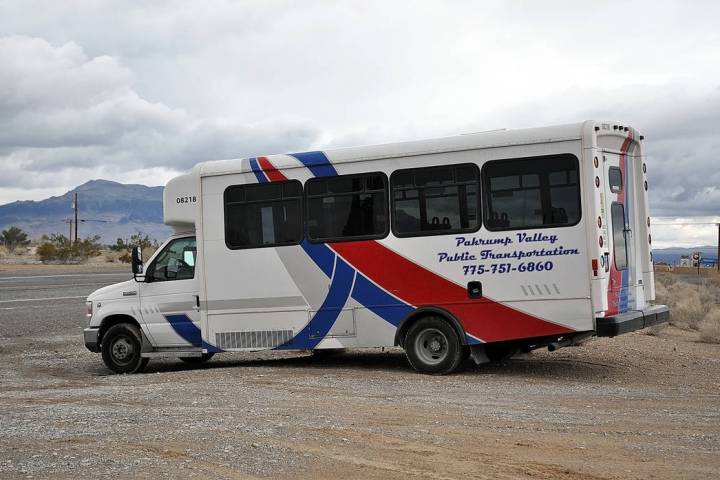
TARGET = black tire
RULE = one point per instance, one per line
(432, 346)
(197, 360)
(120, 348)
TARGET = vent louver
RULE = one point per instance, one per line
(253, 339)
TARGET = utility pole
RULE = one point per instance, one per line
(717, 262)
(75, 206)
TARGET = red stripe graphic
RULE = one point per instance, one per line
(273, 174)
(615, 286)
(484, 318)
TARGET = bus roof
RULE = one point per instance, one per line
(468, 141)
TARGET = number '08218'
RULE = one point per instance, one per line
(188, 199)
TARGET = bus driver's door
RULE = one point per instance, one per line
(168, 297)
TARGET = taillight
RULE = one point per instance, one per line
(594, 264)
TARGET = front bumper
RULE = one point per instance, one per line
(91, 339)
(631, 321)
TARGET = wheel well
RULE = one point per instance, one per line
(111, 320)
(425, 312)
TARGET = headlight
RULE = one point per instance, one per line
(88, 310)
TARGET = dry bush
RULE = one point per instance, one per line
(689, 304)
(3, 252)
(713, 281)
(111, 257)
(710, 326)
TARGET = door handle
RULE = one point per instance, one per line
(197, 303)
(474, 289)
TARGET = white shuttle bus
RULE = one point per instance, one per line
(477, 245)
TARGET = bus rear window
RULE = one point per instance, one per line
(532, 193)
(617, 214)
(615, 179)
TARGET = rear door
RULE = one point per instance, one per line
(618, 205)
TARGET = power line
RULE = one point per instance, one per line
(683, 223)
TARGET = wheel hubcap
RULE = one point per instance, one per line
(431, 346)
(123, 350)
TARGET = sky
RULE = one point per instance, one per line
(139, 91)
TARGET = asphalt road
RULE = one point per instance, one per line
(33, 305)
(636, 406)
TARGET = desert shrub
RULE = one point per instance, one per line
(58, 248)
(713, 281)
(14, 237)
(710, 326)
(689, 304)
(47, 252)
(148, 245)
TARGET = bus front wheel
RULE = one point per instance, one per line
(432, 346)
(121, 347)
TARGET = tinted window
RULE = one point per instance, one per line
(175, 262)
(347, 207)
(435, 200)
(263, 215)
(617, 213)
(532, 192)
(615, 179)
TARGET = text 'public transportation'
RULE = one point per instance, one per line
(476, 245)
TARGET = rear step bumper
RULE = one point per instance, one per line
(631, 321)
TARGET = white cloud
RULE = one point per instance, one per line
(110, 88)
(66, 117)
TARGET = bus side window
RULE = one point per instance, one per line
(435, 200)
(263, 214)
(532, 192)
(347, 207)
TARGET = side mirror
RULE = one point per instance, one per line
(137, 263)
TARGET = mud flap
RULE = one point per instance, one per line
(478, 354)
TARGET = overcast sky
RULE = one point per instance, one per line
(139, 91)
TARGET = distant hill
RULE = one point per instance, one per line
(672, 255)
(125, 210)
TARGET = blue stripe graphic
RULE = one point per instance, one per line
(380, 302)
(329, 311)
(365, 292)
(321, 255)
(317, 163)
(259, 174)
(624, 291)
(183, 326)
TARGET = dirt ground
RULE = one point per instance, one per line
(635, 406)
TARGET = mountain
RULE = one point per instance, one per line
(109, 209)
(672, 255)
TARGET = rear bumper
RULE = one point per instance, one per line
(91, 339)
(631, 321)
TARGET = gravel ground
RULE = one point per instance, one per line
(636, 406)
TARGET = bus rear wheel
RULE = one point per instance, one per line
(432, 346)
(121, 347)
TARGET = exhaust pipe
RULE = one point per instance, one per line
(565, 342)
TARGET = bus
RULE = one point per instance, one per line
(472, 246)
